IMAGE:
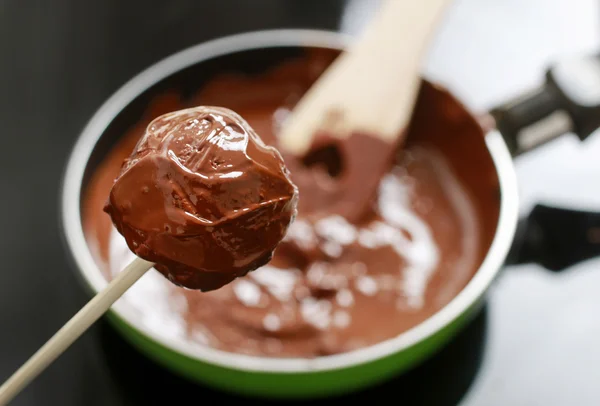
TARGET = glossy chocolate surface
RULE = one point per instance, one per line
(203, 197)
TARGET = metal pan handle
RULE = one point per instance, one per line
(568, 101)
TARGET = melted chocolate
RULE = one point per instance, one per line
(203, 197)
(344, 277)
(342, 175)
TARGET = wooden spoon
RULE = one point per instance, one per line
(372, 87)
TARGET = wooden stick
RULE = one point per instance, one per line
(73, 329)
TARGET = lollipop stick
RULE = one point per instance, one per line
(73, 329)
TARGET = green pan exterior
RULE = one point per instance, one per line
(283, 385)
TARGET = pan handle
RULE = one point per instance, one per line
(568, 101)
(556, 238)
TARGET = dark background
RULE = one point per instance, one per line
(61, 59)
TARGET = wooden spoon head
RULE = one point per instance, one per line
(371, 88)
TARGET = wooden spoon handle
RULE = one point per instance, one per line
(372, 87)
